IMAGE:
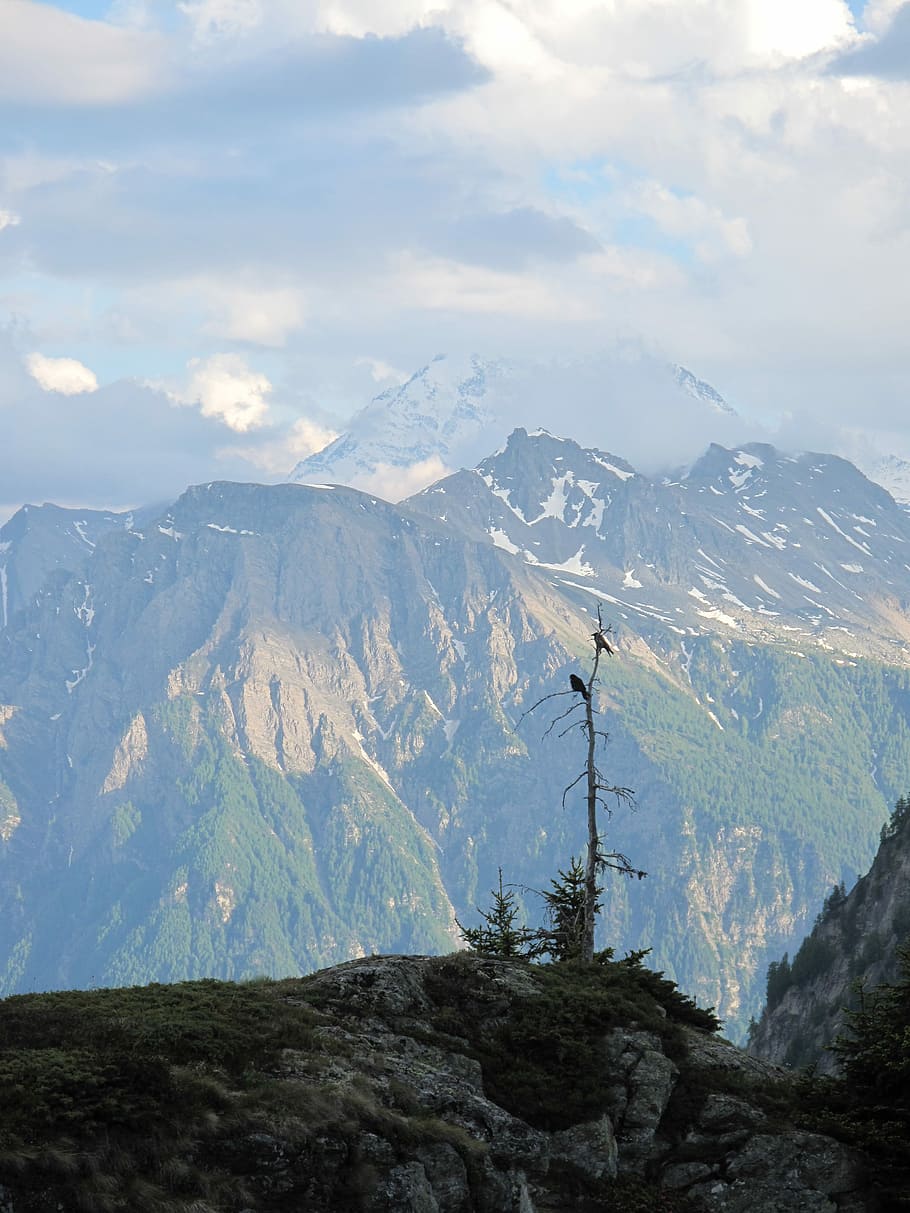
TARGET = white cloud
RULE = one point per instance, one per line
(393, 483)
(793, 31)
(381, 372)
(225, 387)
(278, 456)
(691, 217)
(67, 376)
(8, 219)
(50, 56)
(878, 14)
(211, 19)
(262, 316)
(442, 284)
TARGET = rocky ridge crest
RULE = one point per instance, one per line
(410, 1084)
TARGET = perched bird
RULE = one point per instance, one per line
(601, 644)
(577, 685)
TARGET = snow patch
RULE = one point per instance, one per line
(501, 540)
(85, 612)
(750, 536)
(860, 547)
(762, 585)
(611, 467)
(71, 684)
(574, 564)
(79, 527)
(803, 582)
(721, 618)
(555, 504)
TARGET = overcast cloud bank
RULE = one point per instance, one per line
(225, 224)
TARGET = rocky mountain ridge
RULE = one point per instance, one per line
(793, 549)
(401, 1083)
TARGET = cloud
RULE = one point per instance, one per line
(290, 184)
(8, 219)
(381, 372)
(67, 376)
(445, 285)
(514, 238)
(124, 444)
(261, 316)
(226, 388)
(212, 19)
(394, 483)
(710, 231)
(49, 57)
(886, 56)
(278, 455)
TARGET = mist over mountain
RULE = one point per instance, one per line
(453, 411)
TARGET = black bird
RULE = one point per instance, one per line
(601, 644)
(577, 685)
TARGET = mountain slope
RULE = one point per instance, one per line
(747, 542)
(213, 716)
(281, 726)
(855, 939)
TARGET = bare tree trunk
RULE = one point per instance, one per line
(587, 944)
(596, 788)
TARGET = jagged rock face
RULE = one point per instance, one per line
(277, 727)
(669, 1123)
(855, 940)
(40, 540)
(252, 793)
(750, 541)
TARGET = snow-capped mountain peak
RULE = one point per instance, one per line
(698, 389)
(454, 409)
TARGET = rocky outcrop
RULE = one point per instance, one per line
(855, 941)
(404, 1084)
(690, 1124)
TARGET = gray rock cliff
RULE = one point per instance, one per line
(854, 942)
(409, 1084)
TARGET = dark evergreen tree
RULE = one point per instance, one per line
(875, 1052)
(498, 935)
(899, 818)
(563, 938)
(779, 981)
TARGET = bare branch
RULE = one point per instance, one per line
(579, 724)
(534, 706)
(556, 719)
(568, 789)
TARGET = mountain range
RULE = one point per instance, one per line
(451, 412)
(273, 727)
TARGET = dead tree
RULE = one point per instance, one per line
(598, 791)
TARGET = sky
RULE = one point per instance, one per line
(226, 224)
